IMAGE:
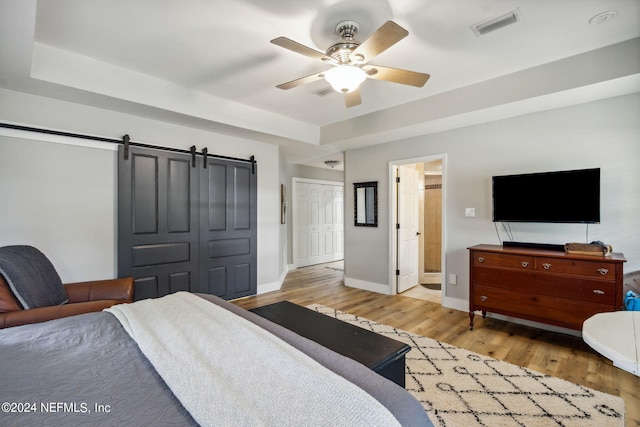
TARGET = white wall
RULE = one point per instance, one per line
(61, 198)
(604, 134)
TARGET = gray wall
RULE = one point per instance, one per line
(62, 200)
(602, 134)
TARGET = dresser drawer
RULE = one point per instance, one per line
(601, 270)
(521, 262)
(558, 311)
(559, 286)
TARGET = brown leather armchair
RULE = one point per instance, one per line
(84, 297)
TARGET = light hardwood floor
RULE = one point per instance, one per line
(556, 354)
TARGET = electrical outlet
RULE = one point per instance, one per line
(453, 279)
(470, 212)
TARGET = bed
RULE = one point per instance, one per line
(99, 369)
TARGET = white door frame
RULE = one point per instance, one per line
(294, 211)
(392, 218)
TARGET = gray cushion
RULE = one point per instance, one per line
(31, 276)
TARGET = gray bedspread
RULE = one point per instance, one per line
(86, 370)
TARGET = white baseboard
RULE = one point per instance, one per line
(381, 288)
(268, 287)
(273, 286)
(455, 303)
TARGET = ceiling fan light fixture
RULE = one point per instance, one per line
(345, 78)
(349, 59)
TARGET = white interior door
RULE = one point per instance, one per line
(307, 250)
(314, 227)
(318, 230)
(407, 228)
(332, 223)
(300, 223)
(328, 226)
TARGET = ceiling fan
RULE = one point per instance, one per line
(350, 60)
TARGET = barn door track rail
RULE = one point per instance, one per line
(126, 142)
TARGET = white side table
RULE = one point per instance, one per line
(616, 336)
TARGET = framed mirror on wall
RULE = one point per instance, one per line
(366, 204)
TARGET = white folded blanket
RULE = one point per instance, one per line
(228, 371)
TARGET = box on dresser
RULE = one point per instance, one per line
(546, 286)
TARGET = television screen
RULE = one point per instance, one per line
(563, 196)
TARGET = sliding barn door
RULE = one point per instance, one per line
(158, 239)
(228, 229)
(186, 228)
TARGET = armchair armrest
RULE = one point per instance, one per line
(112, 289)
(42, 314)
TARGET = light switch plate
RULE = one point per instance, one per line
(469, 212)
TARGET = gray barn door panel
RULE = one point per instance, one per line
(228, 250)
(158, 242)
(186, 228)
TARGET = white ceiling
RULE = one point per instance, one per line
(209, 63)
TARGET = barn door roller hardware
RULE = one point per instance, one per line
(125, 142)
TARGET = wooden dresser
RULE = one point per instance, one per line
(545, 286)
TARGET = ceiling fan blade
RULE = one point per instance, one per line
(301, 81)
(386, 36)
(301, 49)
(396, 75)
(351, 99)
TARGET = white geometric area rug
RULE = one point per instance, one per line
(461, 388)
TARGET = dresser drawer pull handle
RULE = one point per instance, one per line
(546, 266)
(603, 271)
(483, 298)
(525, 264)
(598, 291)
(481, 259)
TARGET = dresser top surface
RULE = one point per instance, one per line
(614, 257)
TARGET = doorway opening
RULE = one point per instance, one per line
(417, 227)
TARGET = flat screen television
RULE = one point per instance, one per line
(571, 196)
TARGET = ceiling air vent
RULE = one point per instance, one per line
(484, 27)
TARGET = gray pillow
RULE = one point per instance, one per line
(31, 276)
